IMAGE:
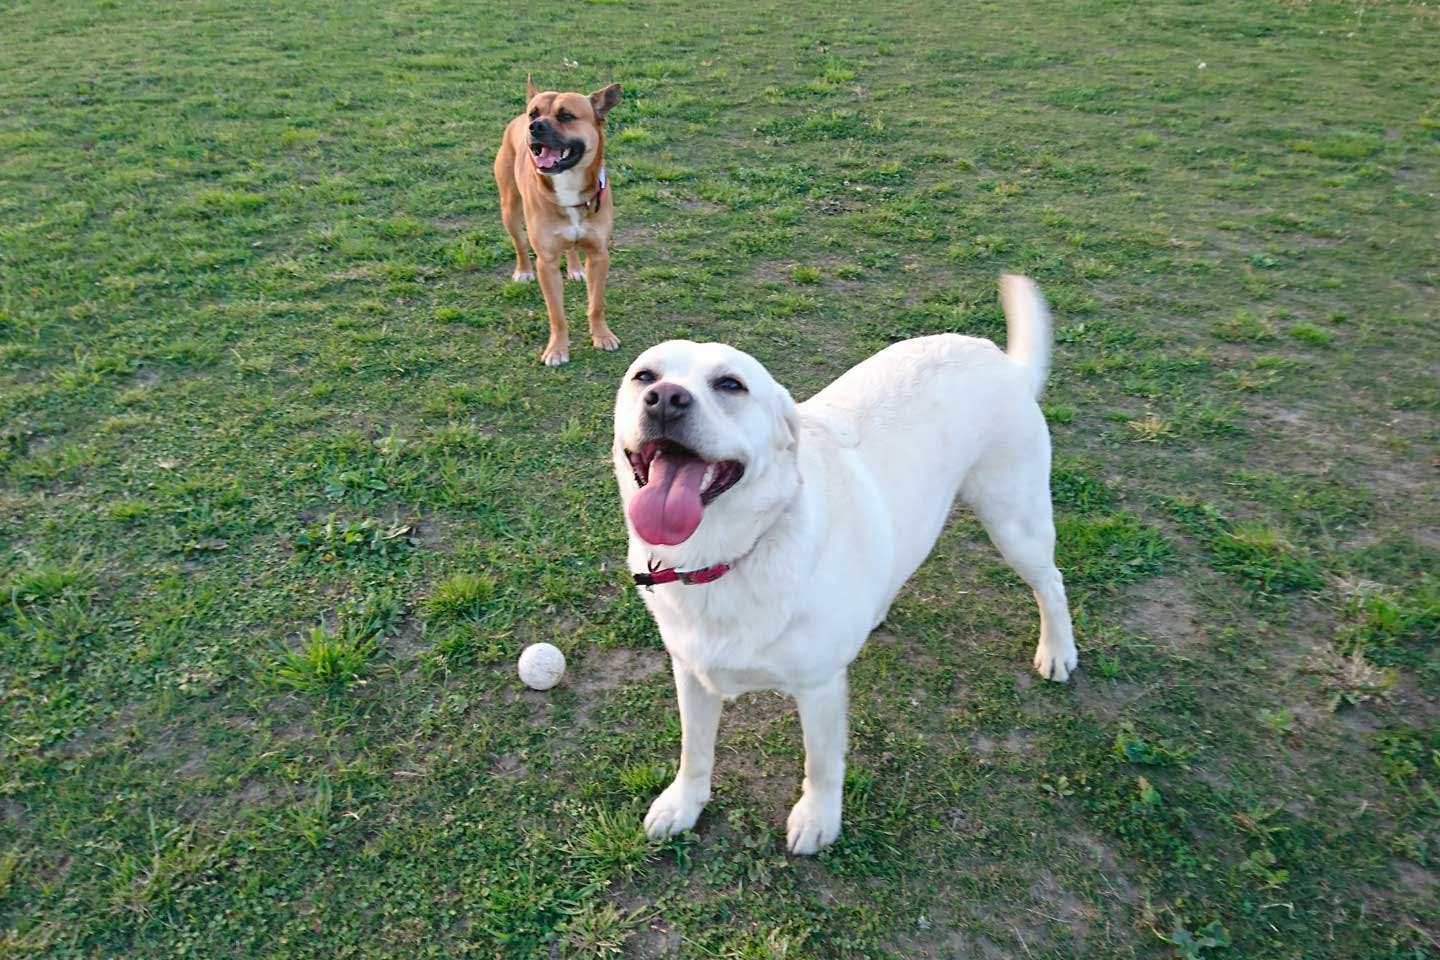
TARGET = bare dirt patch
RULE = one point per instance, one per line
(12, 812)
(407, 639)
(1304, 440)
(1057, 905)
(1113, 872)
(698, 205)
(257, 793)
(1160, 610)
(628, 236)
(656, 939)
(1415, 878)
(1110, 699)
(430, 534)
(774, 271)
(510, 765)
(745, 764)
(118, 728)
(603, 670)
(1014, 743)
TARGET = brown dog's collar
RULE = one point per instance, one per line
(591, 205)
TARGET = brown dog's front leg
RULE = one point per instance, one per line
(557, 351)
(597, 266)
(573, 269)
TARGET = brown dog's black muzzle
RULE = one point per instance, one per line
(544, 136)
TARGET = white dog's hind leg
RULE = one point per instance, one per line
(679, 805)
(1017, 514)
(1055, 656)
(814, 821)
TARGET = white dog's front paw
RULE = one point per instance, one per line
(521, 277)
(813, 825)
(1056, 663)
(674, 811)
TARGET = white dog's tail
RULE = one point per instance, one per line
(1027, 320)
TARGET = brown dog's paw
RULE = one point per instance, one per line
(522, 277)
(555, 354)
(605, 341)
(574, 274)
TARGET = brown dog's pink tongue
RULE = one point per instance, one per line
(547, 157)
(668, 509)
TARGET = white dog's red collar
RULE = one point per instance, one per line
(688, 577)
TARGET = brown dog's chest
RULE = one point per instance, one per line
(558, 211)
(574, 220)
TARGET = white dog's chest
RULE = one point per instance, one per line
(722, 673)
(748, 653)
(729, 657)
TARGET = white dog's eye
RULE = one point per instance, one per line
(645, 376)
(729, 385)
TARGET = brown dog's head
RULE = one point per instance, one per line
(567, 129)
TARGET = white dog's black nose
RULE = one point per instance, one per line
(667, 401)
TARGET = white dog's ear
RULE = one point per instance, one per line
(789, 433)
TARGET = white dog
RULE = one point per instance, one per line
(773, 537)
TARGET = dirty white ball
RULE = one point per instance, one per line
(541, 666)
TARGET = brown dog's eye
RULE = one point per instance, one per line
(565, 116)
(535, 114)
(645, 376)
(729, 385)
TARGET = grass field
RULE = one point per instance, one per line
(284, 488)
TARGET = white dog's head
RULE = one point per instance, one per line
(705, 448)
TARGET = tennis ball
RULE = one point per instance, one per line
(541, 666)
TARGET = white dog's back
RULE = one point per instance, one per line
(923, 415)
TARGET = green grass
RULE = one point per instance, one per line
(325, 660)
(461, 594)
(284, 489)
(1259, 554)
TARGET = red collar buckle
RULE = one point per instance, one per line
(688, 577)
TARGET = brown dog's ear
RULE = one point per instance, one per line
(530, 90)
(603, 100)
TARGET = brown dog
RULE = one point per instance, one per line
(551, 170)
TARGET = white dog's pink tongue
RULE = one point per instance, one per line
(547, 157)
(668, 509)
